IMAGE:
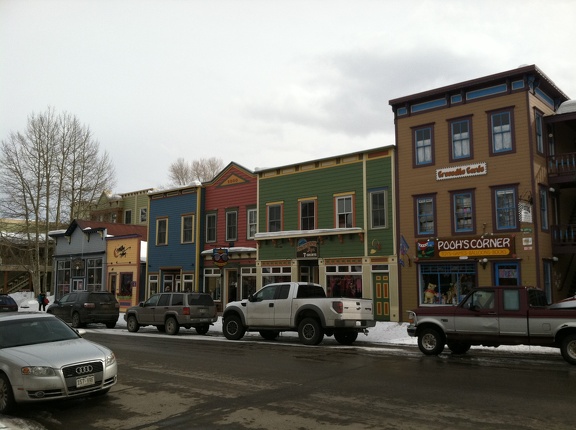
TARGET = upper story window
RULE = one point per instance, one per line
(143, 214)
(378, 205)
(274, 213)
(423, 146)
(211, 227)
(252, 219)
(425, 220)
(308, 215)
(231, 226)
(501, 132)
(187, 233)
(544, 208)
(505, 205)
(463, 212)
(128, 216)
(344, 212)
(162, 231)
(460, 134)
(539, 133)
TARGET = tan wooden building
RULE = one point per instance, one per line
(475, 206)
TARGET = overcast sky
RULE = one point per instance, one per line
(262, 83)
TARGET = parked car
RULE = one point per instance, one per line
(170, 311)
(83, 307)
(42, 358)
(8, 304)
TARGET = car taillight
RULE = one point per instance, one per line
(186, 311)
(411, 317)
(89, 305)
(338, 307)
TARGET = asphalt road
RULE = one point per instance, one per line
(206, 382)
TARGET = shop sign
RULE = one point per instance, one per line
(220, 256)
(465, 171)
(307, 248)
(490, 246)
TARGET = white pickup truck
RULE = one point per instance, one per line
(301, 307)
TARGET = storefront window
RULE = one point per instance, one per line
(344, 281)
(445, 283)
(247, 281)
(94, 274)
(63, 278)
(272, 275)
(212, 283)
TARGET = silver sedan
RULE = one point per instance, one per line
(42, 358)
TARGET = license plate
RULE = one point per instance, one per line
(85, 381)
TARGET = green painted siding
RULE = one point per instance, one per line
(379, 176)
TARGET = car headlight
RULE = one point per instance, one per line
(110, 359)
(38, 371)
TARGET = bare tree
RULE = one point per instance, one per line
(183, 173)
(44, 172)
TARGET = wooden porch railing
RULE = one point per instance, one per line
(562, 164)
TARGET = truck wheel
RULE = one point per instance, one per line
(76, 323)
(431, 341)
(568, 348)
(132, 324)
(202, 329)
(269, 334)
(172, 327)
(458, 348)
(233, 328)
(310, 331)
(346, 337)
(7, 402)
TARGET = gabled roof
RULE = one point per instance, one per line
(111, 228)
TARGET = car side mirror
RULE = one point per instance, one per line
(250, 298)
(141, 304)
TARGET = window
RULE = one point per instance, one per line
(153, 284)
(128, 217)
(143, 214)
(188, 284)
(539, 136)
(425, 215)
(544, 208)
(511, 300)
(274, 217)
(423, 146)
(344, 214)
(187, 234)
(463, 214)
(252, 216)
(501, 129)
(378, 209)
(506, 212)
(94, 273)
(307, 215)
(460, 135)
(231, 226)
(210, 227)
(162, 231)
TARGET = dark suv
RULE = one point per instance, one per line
(8, 304)
(84, 307)
(170, 311)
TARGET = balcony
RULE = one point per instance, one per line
(562, 168)
(563, 238)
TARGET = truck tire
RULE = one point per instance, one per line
(269, 334)
(132, 324)
(458, 348)
(202, 329)
(431, 341)
(345, 337)
(310, 331)
(171, 325)
(568, 348)
(233, 328)
(76, 322)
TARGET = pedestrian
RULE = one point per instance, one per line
(42, 301)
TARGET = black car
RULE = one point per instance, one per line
(83, 307)
(7, 304)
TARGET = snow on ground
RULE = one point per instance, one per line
(385, 333)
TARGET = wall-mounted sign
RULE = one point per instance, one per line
(489, 246)
(220, 256)
(307, 248)
(461, 171)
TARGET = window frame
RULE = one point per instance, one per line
(383, 209)
(231, 225)
(539, 131)
(493, 134)
(278, 222)
(418, 201)
(511, 208)
(159, 221)
(143, 215)
(184, 230)
(415, 145)
(349, 216)
(251, 222)
(211, 228)
(451, 124)
(454, 212)
(306, 225)
(544, 209)
(128, 216)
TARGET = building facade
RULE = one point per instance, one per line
(473, 192)
(331, 221)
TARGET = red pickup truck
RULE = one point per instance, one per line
(494, 316)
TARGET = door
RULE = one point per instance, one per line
(380, 282)
(478, 315)
(260, 311)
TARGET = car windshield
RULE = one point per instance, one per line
(34, 330)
